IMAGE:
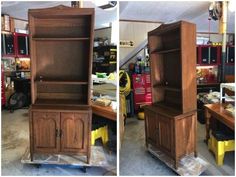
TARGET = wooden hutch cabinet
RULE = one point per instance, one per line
(61, 44)
(170, 122)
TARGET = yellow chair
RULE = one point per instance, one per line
(219, 147)
(102, 133)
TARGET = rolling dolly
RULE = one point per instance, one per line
(98, 159)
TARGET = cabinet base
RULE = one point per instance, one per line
(188, 165)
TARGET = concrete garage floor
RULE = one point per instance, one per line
(15, 140)
(135, 160)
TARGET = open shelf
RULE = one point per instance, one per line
(168, 106)
(61, 38)
(61, 82)
(67, 102)
(167, 87)
(165, 51)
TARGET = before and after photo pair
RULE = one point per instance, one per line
(118, 88)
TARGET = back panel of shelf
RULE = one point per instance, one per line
(166, 79)
(59, 27)
(68, 60)
(61, 94)
(167, 41)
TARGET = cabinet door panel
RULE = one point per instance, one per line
(165, 134)
(205, 55)
(74, 128)
(151, 127)
(213, 55)
(45, 127)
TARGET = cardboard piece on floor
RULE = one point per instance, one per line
(188, 165)
(97, 158)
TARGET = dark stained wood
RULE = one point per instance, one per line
(61, 40)
(60, 108)
(217, 111)
(165, 134)
(45, 128)
(172, 133)
(170, 122)
(74, 132)
(173, 64)
(151, 127)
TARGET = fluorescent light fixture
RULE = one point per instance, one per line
(105, 5)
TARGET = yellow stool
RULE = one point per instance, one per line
(101, 132)
(219, 148)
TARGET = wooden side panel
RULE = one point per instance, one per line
(151, 127)
(165, 134)
(185, 135)
(157, 77)
(188, 48)
(154, 43)
(74, 132)
(32, 59)
(45, 127)
(90, 63)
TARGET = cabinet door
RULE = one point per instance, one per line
(230, 54)
(165, 132)
(74, 127)
(8, 45)
(45, 130)
(22, 45)
(151, 127)
(204, 55)
(213, 55)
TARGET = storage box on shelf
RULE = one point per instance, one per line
(170, 122)
(15, 45)
(211, 55)
(208, 55)
(61, 40)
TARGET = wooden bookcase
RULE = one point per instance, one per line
(61, 40)
(171, 120)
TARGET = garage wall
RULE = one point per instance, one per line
(103, 33)
(134, 31)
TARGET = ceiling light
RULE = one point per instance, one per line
(106, 5)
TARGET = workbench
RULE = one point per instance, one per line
(217, 111)
(104, 111)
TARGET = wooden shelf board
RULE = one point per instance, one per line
(61, 82)
(61, 107)
(165, 109)
(167, 87)
(68, 102)
(60, 39)
(165, 51)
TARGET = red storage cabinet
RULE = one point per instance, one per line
(3, 88)
(21, 43)
(15, 45)
(142, 89)
(208, 55)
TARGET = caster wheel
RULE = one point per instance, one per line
(84, 169)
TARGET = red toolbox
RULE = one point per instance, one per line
(142, 89)
(3, 88)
